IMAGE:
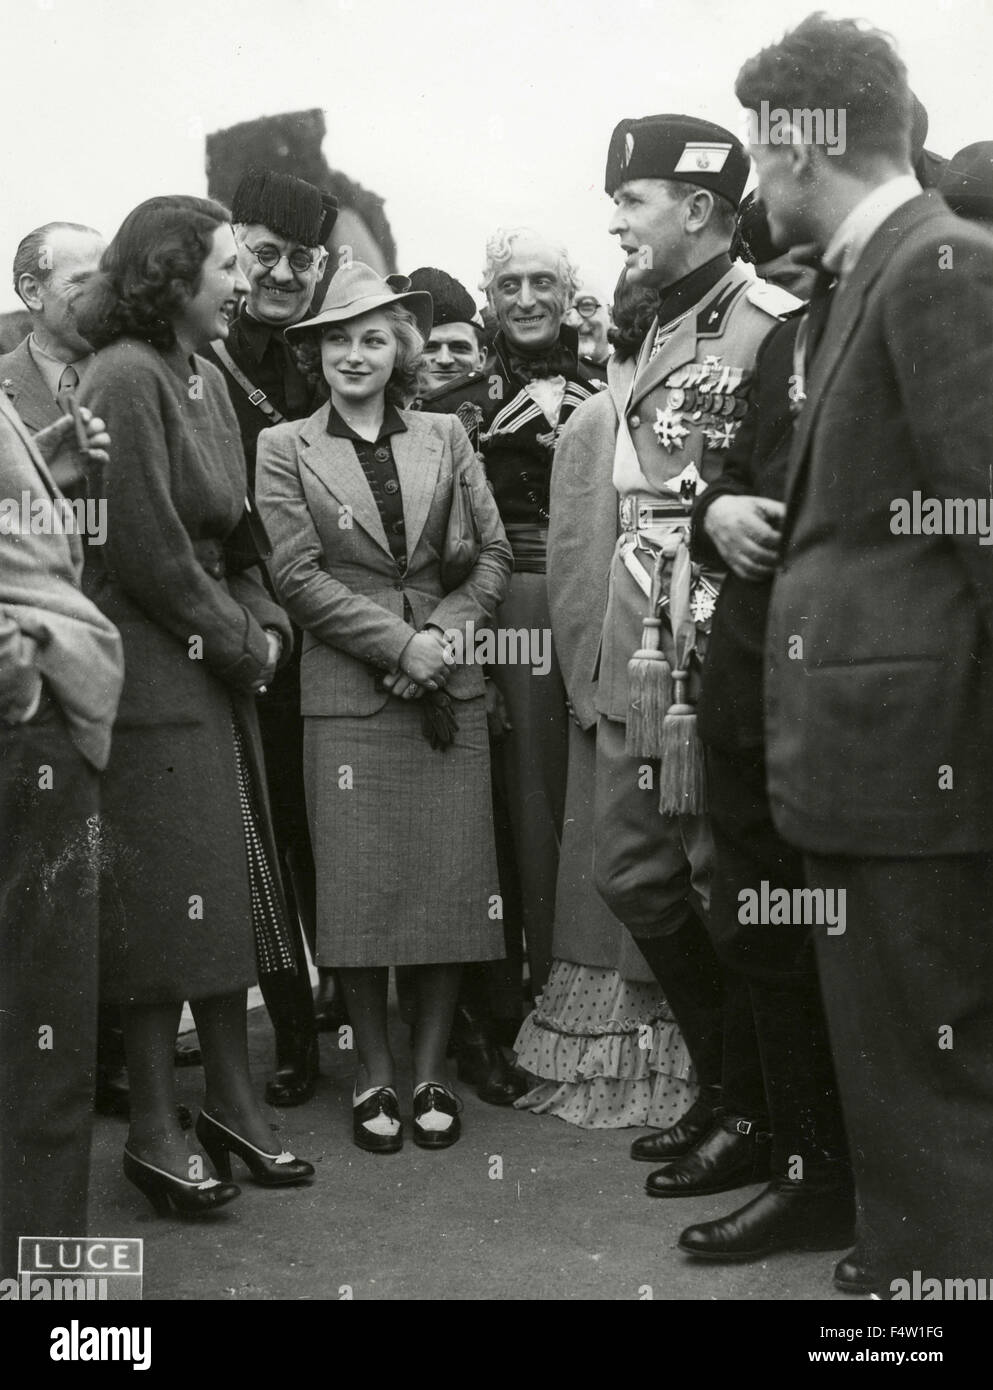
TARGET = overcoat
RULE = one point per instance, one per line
(176, 917)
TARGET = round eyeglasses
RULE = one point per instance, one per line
(586, 308)
(269, 256)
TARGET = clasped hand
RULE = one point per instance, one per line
(425, 664)
(746, 532)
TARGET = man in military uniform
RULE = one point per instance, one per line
(513, 410)
(676, 182)
(281, 226)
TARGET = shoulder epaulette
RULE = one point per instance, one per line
(773, 299)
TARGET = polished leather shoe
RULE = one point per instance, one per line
(787, 1215)
(268, 1170)
(480, 1060)
(296, 1079)
(852, 1274)
(432, 1096)
(382, 1101)
(666, 1144)
(734, 1154)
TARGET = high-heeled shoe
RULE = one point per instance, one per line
(166, 1191)
(430, 1095)
(268, 1170)
(381, 1101)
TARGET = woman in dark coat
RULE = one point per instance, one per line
(186, 856)
(357, 501)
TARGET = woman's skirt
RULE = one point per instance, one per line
(403, 839)
(604, 1052)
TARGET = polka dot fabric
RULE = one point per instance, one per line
(605, 1052)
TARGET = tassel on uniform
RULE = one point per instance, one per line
(649, 683)
(682, 784)
(683, 787)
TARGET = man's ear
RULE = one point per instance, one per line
(699, 207)
(322, 260)
(29, 289)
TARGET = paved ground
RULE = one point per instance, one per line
(567, 1220)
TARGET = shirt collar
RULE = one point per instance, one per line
(51, 369)
(341, 429)
(865, 219)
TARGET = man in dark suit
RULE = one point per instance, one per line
(51, 266)
(61, 672)
(879, 653)
(281, 226)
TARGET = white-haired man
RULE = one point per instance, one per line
(513, 410)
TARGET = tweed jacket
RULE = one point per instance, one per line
(71, 643)
(879, 650)
(25, 388)
(333, 569)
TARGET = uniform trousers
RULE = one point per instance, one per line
(908, 990)
(49, 932)
(654, 873)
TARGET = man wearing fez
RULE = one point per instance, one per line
(676, 182)
(455, 346)
(513, 411)
(281, 225)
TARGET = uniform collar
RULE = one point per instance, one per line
(341, 429)
(682, 294)
(853, 235)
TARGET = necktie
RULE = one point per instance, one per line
(68, 382)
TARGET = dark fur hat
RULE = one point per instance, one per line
(288, 206)
(452, 301)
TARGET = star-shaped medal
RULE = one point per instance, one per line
(722, 436)
(669, 429)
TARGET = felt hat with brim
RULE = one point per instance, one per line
(356, 289)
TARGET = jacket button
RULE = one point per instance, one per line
(398, 528)
(391, 487)
(634, 422)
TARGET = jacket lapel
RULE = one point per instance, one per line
(844, 317)
(417, 452)
(26, 389)
(334, 463)
(681, 346)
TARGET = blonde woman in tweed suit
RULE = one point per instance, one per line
(356, 500)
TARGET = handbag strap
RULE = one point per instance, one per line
(255, 396)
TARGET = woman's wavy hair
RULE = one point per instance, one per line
(633, 313)
(402, 385)
(150, 270)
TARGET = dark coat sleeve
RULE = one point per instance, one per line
(148, 551)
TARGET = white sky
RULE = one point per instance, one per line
(461, 115)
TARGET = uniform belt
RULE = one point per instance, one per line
(641, 513)
(210, 554)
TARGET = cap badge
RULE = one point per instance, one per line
(628, 148)
(700, 157)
